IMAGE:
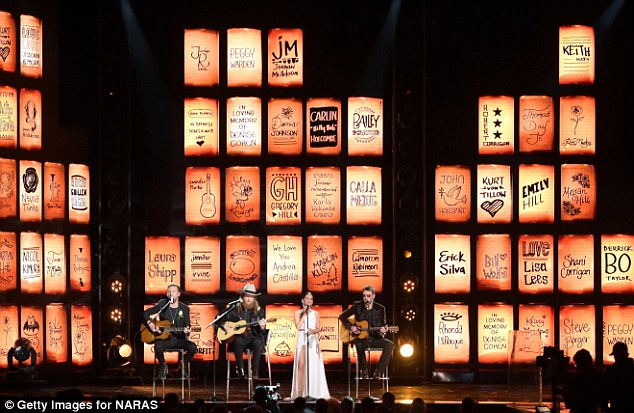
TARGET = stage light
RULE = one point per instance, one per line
(406, 350)
(407, 254)
(116, 286)
(406, 344)
(408, 282)
(409, 312)
(116, 315)
(120, 352)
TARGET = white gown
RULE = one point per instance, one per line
(317, 382)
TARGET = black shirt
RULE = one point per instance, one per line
(178, 317)
(250, 316)
(375, 316)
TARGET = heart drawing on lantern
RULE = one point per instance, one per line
(200, 143)
(4, 53)
(492, 207)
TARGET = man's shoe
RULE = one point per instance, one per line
(363, 375)
(163, 370)
(240, 373)
(377, 375)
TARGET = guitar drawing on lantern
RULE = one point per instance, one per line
(208, 204)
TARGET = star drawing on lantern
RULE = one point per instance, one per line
(497, 112)
(497, 123)
(497, 135)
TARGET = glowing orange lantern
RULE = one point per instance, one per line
(8, 117)
(617, 271)
(577, 329)
(577, 125)
(329, 341)
(363, 195)
(31, 262)
(284, 272)
(54, 264)
(30, 46)
(283, 333)
(285, 126)
(578, 192)
(576, 54)
(8, 261)
(451, 333)
(242, 194)
(78, 193)
(200, 315)
(30, 191)
(453, 193)
(495, 321)
(576, 264)
(495, 194)
(244, 57)
(81, 334)
(324, 263)
(243, 261)
(8, 188)
(54, 191)
(80, 266)
(538, 318)
(30, 119)
(323, 126)
(618, 326)
(202, 196)
(32, 322)
(56, 333)
(201, 127)
(493, 262)
(536, 193)
(535, 263)
(283, 196)
(202, 265)
(162, 263)
(537, 123)
(365, 263)
(8, 46)
(496, 125)
(286, 57)
(452, 260)
(201, 57)
(10, 331)
(171, 357)
(365, 126)
(244, 126)
(323, 195)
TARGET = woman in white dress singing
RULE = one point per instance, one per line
(309, 371)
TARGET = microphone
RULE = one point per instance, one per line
(238, 301)
(171, 299)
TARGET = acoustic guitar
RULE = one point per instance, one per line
(347, 336)
(236, 328)
(165, 329)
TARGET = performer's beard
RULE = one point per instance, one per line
(248, 306)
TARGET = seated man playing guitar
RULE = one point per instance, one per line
(374, 313)
(177, 314)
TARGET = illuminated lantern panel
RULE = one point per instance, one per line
(283, 196)
(453, 193)
(8, 188)
(323, 126)
(578, 192)
(451, 333)
(576, 55)
(286, 57)
(54, 191)
(284, 272)
(493, 262)
(30, 119)
(10, 331)
(54, 264)
(30, 183)
(452, 261)
(162, 263)
(81, 334)
(537, 124)
(365, 263)
(576, 264)
(32, 328)
(283, 333)
(364, 195)
(577, 125)
(323, 195)
(78, 194)
(242, 194)
(495, 194)
(202, 196)
(244, 126)
(242, 259)
(365, 126)
(285, 126)
(31, 262)
(8, 261)
(535, 264)
(201, 315)
(56, 334)
(171, 357)
(244, 57)
(80, 271)
(495, 321)
(618, 322)
(202, 265)
(496, 125)
(539, 319)
(577, 329)
(329, 341)
(9, 118)
(201, 127)
(8, 44)
(324, 263)
(617, 271)
(30, 46)
(201, 57)
(536, 193)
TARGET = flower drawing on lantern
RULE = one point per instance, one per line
(283, 118)
(570, 209)
(576, 112)
(583, 179)
(241, 191)
(30, 180)
(6, 329)
(452, 196)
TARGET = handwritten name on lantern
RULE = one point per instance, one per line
(8, 261)
(56, 333)
(201, 127)
(576, 263)
(162, 263)
(10, 330)
(617, 271)
(495, 194)
(242, 194)
(324, 263)
(8, 117)
(202, 196)
(244, 57)
(30, 46)
(54, 191)
(285, 126)
(242, 261)
(495, 321)
(200, 315)
(496, 125)
(8, 46)
(30, 119)
(284, 264)
(577, 329)
(31, 262)
(453, 193)
(537, 318)
(536, 193)
(535, 263)
(493, 262)
(78, 193)
(363, 195)
(81, 333)
(79, 265)
(365, 263)
(323, 126)
(283, 196)
(576, 55)
(285, 57)
(577, 125)
(365, 126)
(8, 188)
(323, 195)
(618, 326)
(202, 265)
(536, 123)
(329, 341)
(452, 262)
(578, 192)
(201, 57)
(30, 191)
(451, 333)
(32, 322)
(54, 264)
(244, 130)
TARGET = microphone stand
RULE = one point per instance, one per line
(306, 325)
(219, 317)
